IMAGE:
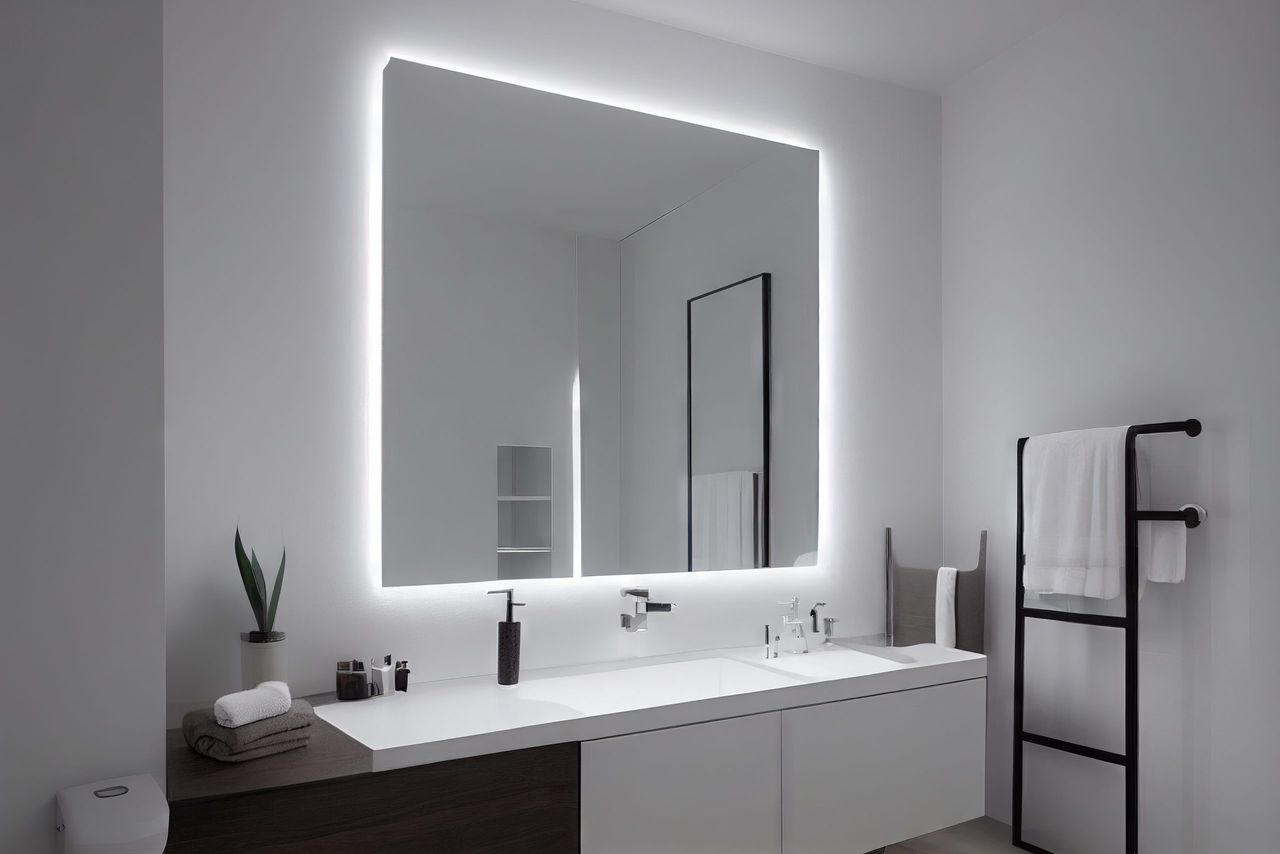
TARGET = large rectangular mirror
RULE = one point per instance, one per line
(599, 338)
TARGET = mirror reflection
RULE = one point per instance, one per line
(728, 431)
(599, 338)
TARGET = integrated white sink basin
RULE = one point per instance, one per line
(454, 718)
(627, 688)
(441, 711)
(837, 663)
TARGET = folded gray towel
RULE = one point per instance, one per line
(284, 732)
(259, 752)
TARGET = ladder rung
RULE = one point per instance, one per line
(1072, 617)
(1078, 749)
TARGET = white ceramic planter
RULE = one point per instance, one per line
(263, 661)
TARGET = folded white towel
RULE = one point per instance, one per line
(1073, 512)
(944, 608)
(244, 707)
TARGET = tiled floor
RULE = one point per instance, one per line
(980, 836)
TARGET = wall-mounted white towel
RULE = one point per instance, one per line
(245, 707)
(944, 608)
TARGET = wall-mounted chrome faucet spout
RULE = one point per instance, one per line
(638, 621)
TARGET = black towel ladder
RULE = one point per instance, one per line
(1129, 623)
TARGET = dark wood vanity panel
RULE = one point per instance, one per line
(519, 801)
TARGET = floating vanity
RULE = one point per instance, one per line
(844, 749)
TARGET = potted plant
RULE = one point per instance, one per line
(262, 652)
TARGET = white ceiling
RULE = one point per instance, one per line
(468, 145)
(924, 44)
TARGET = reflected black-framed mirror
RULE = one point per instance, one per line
(728, 380)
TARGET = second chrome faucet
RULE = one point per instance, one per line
(792, 638)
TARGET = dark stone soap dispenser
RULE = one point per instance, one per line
(509, 642)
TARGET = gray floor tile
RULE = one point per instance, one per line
(980, 836)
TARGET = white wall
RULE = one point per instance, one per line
(81, 407)
(760, 220)
(479, 350)
(1111, 248)
(266, 181)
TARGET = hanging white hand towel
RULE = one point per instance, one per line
(1162, 546)
(1162, 551)
(1073, 512)
(944, 608)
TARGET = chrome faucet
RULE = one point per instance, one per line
(793, 638)
(638, 620)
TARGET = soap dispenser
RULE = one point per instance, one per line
(509, 642)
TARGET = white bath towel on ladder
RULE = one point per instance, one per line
(1073, 515)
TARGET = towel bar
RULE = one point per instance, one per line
(1188, 515)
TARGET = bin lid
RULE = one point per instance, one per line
(116, 811)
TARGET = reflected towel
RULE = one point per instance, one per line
(724, 520)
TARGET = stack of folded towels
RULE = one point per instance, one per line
(250, 724)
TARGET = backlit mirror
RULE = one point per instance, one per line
(600, 338)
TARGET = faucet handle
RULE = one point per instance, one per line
(640, 595)
(794, 605)
(511, 603)
(510, 594)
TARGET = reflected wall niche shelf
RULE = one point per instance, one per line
(524, 511)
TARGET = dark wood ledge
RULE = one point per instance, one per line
(330, 754)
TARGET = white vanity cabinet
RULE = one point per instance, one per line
(848, 777)
(861, 774)
(710, 787)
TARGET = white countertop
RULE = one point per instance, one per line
(455, 718)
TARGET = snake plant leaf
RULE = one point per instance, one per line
(250, 583)
(275, 594)
(261, 583)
